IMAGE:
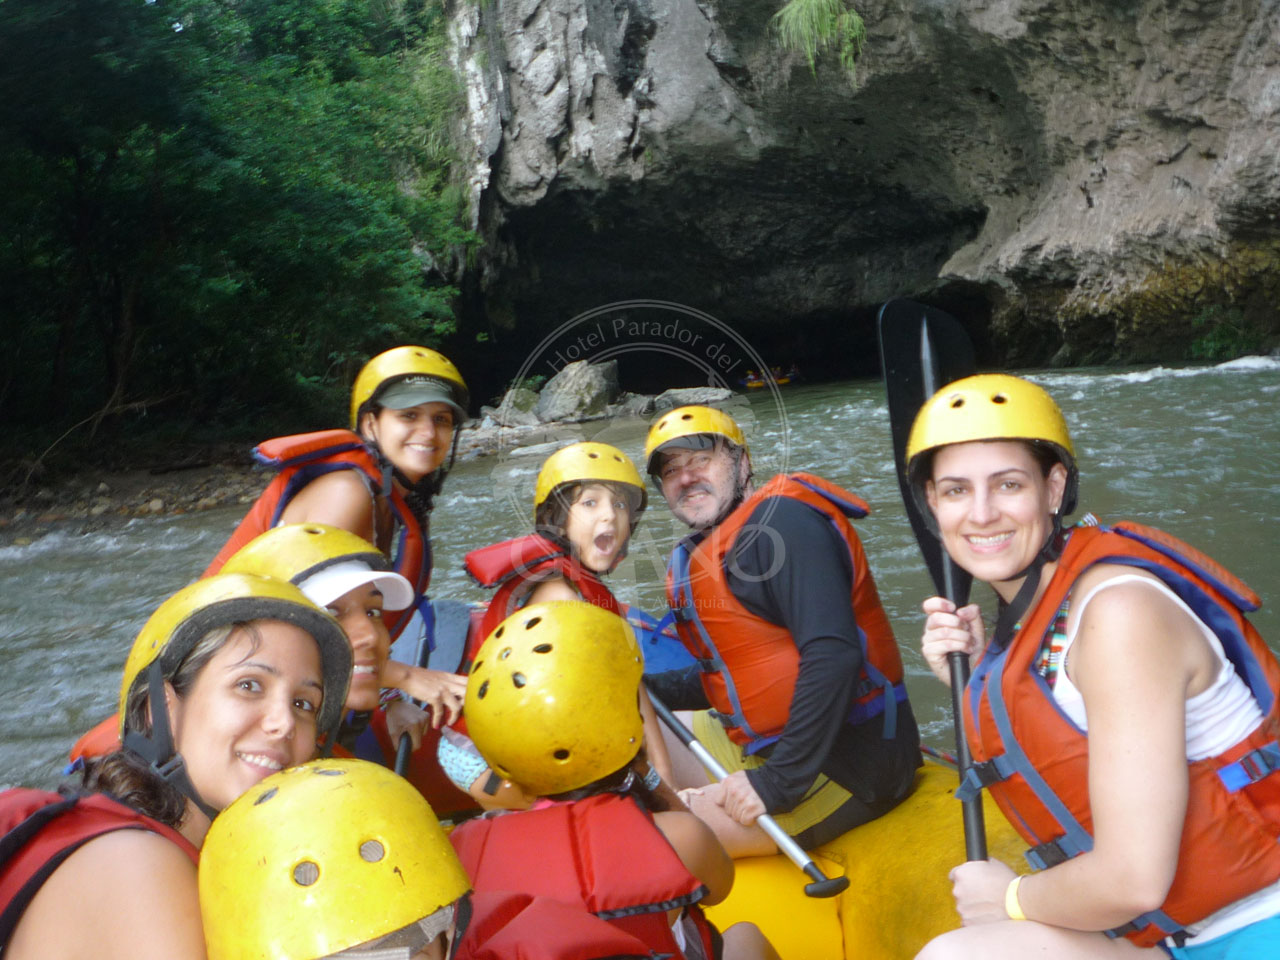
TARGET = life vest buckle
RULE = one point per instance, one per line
(1252, 767)
(982, 775)
(1046, 855)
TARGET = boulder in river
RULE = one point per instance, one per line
(580, 391)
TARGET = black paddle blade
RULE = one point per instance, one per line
(922, 349)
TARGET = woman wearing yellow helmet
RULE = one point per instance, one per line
(230, 680)
(553, 702)
(1123, 715)
(347, 576)
(377, 479)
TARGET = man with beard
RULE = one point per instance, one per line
(799, 683)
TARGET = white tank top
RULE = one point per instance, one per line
(1218, 717)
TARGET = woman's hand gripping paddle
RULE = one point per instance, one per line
(921, 350)
(822, 885)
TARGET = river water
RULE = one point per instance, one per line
(1195, 451)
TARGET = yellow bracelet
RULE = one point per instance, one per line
(1011, 905)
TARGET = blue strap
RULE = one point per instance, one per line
(1251, 768)
(1052, 853)
(980, 775)
(428, 611)
(680, 580)
(666, 623)
(1073, 833)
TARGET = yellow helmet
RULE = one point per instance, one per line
(297, 552)
(179, 623)
(690, 423)
(585, 462)
(430, 373)
(991, 406)
(322, 857)
(552, 701)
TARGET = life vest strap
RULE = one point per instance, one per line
(1053, 852)
(1252, 767)
(1162, 922)
(984, 774)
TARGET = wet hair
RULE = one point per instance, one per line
(128, 777)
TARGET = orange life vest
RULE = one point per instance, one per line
(514, 566)
(1035, 761)
(304, 457)
(603, 853)
(39, 830)
(749, 665)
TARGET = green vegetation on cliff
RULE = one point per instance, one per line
(812, 27)
(214, 208)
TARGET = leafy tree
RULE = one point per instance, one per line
(217, 204)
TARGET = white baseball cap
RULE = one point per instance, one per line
(327, 585)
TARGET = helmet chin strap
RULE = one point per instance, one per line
(158, 749)
(1011, 613)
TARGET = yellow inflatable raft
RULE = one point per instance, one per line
(899, 896)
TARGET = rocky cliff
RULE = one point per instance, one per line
(1080, 182)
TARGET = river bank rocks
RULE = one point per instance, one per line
(1079, 182)
(578, 393)
(99, 501)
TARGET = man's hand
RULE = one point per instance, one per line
(741, 802)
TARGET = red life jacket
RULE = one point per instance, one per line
(749, 665)
(517, 926)
(1035, 761)
(514, 567)
(603, 854)
(304, 457)
(39, 830)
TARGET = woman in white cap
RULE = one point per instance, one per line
(345, 575)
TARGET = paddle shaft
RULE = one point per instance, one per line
(822, 886)
(975, 833)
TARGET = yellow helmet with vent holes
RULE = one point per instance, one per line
(990, 406)
(553, 698)
(179, 623)
(590, 462)
(322, 857)
(681, 426)
(425, 375)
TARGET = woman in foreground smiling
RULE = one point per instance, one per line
(231, 679)
(1124, 714)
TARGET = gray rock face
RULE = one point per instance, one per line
(1083, 179)
(579, 391)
